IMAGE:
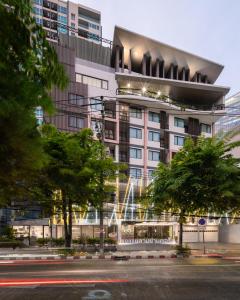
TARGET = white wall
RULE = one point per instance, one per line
(229, 233)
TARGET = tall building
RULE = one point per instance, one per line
(232, 118)
(66, 17)
(155, 96)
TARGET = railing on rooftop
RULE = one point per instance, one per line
(165, 99)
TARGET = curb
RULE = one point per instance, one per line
(88, 257)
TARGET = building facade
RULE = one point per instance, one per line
(154, 97)
(66, 17)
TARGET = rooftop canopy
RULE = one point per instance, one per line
(141, 46)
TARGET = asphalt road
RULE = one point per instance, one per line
(203, 278)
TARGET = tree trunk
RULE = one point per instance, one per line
(101, 228)
(180, 242)
(64, 211)
(68, 240)
(181, 221)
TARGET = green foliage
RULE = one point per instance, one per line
(67, 252)
(11, 244)
(58, 242)
(183, 250)
(93, 241)
(110, 241)
(202, 178)
(8, 232)
(43, 241)
(29, 68)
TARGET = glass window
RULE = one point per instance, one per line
(135, 172)
(135, 133)
(62, 9)
(72, 16)
(179, 122)
(151, 174)
(96, 82)
(96, 105)
(37, 11)
(153, 155)
(205, 128)
(75, 99)
(136, 113)
(75, 122)
(39, 2)
(153, 117)
(178, 140)
(39, 21)
(62, 19)
(73, 25)
(62, 30)
(136, 153)
(154, 136)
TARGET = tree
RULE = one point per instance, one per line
(28, 69)
(73, 169)
(201, 178)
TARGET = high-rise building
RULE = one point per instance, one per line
(66, 17)
(232, 118)
(155, 96)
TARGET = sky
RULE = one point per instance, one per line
(208, 28)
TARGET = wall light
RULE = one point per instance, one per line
(128, 85)
(144, 89)
(159, 93)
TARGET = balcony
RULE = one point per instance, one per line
(167, 100)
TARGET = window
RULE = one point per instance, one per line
(96, 82)
(73, 17)
(135, 173)
(135, 133)
(75, 122)
(39, 2)
(75, 99)
(62, 19)
(136, 113)
(62, 9)
(93, 26)
(150, 174)
(153, 117)
(178, 140)
(153, 136)
(96, 105)
(153, 155)
(73, 25)
(39, 21)
(136, 153)
(179, 122)
(205, 128)
(37, 11)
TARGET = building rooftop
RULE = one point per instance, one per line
(141, 45)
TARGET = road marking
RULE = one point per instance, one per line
(41, 281)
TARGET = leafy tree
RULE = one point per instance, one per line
(203, 177)
(74, 169)
(28, 69)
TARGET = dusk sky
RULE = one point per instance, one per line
(208, 28)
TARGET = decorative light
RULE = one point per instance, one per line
(128, 85)
(159, 93)
(144, 89)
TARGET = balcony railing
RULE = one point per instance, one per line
(166, 99)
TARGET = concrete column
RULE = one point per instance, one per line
(123, 59)
(117, 59)
(183, 74)
(157, 66)
(130, 61)
(145, 140)
(144, 65)
(150, 66)
(170, 72)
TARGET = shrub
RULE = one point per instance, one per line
(11, 244)
(66, 252)
(42, 241)
(110, 241)
(93, 241)
(183, 250)
(58, 242)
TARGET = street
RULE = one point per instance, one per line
(203, 278)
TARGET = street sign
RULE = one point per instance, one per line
(202, 222)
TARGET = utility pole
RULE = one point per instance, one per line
(101, 216)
